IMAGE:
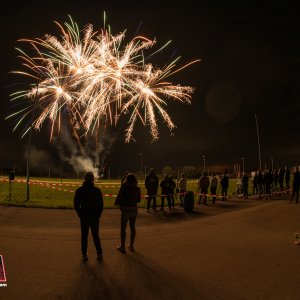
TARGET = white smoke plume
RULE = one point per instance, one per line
(92, 158)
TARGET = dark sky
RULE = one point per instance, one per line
(250, 65)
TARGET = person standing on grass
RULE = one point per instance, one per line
(287, 179)
(128, 197)
(88, 203)
(296, 185)
(255, 184)
(165, 185)
(172, 191)
(268, 179)
(260, 183)
(151, 185)
(245, 182)
(203, 184)
(224, 185)
(213, 187)
(182, 188)
(281, 179)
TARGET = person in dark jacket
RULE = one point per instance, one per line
(268, 179)
(88, 203)
(128, 197)
(287, 179)
(260, 183)
(245, 181)
(281, 179)
(224, 185)
(172, 191)
(165, 185)
(151, 185)
(296, 185)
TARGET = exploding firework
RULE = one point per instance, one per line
(93, 77)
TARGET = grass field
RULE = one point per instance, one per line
(53, 193)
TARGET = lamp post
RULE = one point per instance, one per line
(203, 156)
(258, 142)
(272, 163)
(29, 145)
(243, 160)
(27, 165)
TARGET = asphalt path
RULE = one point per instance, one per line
(238, 249)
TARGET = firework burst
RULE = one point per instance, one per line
(95, 78)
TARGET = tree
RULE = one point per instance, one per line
(189, 171)
(168, 170)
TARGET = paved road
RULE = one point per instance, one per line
(235, 250)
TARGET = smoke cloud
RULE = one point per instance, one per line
(90, 156)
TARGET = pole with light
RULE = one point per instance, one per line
(203, 156)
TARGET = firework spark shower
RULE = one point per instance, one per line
(93, 78)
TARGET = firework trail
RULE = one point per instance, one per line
(95, 79)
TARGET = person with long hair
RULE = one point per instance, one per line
(128, 197)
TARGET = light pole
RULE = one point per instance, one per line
(27, 165)
(243, 160)
(272, 163)
(203, 156)
(29, 145)
(258, 143)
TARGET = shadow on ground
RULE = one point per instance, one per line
(137, 278)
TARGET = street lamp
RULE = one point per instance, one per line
(203, 156)
(242, 158)
(271, 163)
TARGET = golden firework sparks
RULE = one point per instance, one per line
(96, 77)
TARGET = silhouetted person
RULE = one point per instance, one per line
(287, 179)
(224, 185)
(213, 187)
(165, 191)
(128, 197)
(245, 180)
(296, 185)
(88, 203)
(255, 184)
(203, 184)
(260, 183)
(275, 179)
(151, 185)
(239, 187)
(268, 179)
(182, 188)
(281, 179)
(172, 191)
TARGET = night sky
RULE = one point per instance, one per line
(250, 64)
